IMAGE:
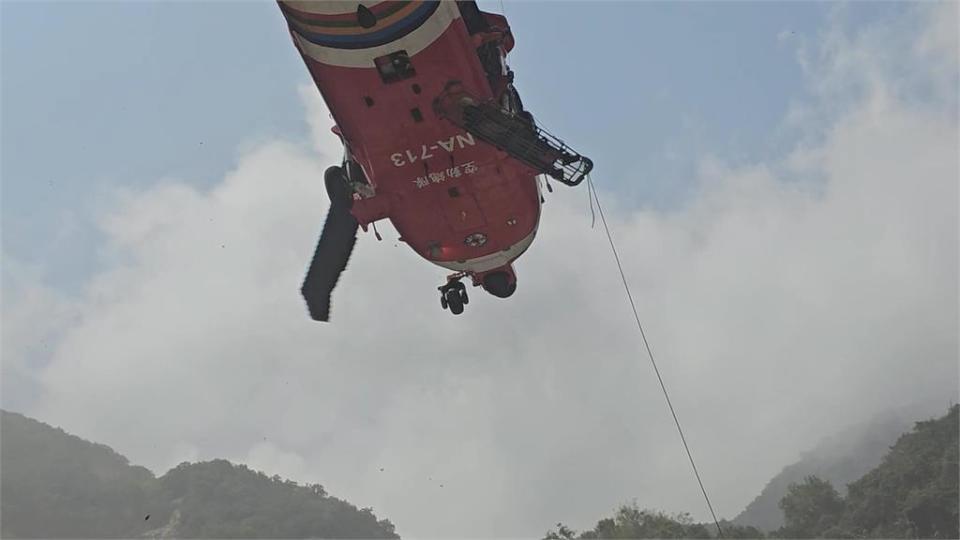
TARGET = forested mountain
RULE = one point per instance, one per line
(839, 459)
(217, 499)
(56, 485)
(53, 484)
(911, 493)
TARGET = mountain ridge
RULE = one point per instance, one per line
(56, 484)
(840, 458)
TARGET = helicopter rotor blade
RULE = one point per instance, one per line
(329, 259)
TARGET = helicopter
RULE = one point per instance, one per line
(435, 136)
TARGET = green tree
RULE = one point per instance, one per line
(561, 533)
(632, 522)
(810, 508)
(913, 492)
(732, 530)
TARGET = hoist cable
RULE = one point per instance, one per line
(592, 190)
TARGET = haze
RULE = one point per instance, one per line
(781, 182)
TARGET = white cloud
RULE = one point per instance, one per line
(785, 300)
(34, 317)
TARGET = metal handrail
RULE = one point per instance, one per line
(517, 136)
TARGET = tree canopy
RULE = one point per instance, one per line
(911, 494)
(630, 521)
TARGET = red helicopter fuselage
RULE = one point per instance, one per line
(458, 201)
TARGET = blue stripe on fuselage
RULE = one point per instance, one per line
(364, 41)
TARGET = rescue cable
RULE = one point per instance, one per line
(592, 192)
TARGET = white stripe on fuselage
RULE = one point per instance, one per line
(414, 42)
(493, 260)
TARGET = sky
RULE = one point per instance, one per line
(781, 181)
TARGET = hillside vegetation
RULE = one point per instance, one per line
(56, 485)
(912, 493)
(840, 459)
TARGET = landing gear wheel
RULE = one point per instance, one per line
(453, 295)
(455, 302)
